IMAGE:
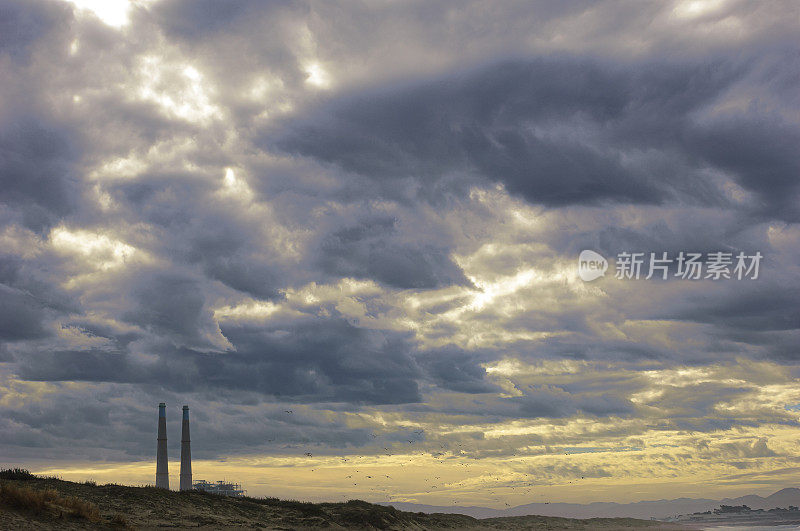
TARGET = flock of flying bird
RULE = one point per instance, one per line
(376, 482)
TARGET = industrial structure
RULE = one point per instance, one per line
(186, 453)
(162, 460)
(223, 488)
(162, 472)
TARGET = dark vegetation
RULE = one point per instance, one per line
(42, 501)
(16, 473)
(31, 502)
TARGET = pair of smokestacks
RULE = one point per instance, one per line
(162, 474)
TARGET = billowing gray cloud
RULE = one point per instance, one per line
(36, 169)
(456, 370)
(39, 151)
(560, 132)
(317, 361)
(171, 307)
(761, 308)
(196, 20)
(24, 23)
(21, 315)
(370, 216)
(370, 250)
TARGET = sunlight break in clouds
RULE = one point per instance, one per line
(112, 12)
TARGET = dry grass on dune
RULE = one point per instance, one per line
(39, 501)
(31, 502)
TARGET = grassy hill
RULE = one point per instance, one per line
(31, 502)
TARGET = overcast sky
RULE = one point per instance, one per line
(351, 230)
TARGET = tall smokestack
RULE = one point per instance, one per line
(186, 453)
(162, 474)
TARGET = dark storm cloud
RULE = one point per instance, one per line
(29, 299)
(100, 429)
(555, 402)
(21, 316)
(547, 402)
(225, 246)
(229, 246)
(153, 196)
(36, 169)
(456, 370)
(760, 150)
(370, 250)
(321, 361)
(24, 22)
(118, 339)
(244, 274)
(117, 423)
(605, 405)
(79, 365)
(229, 296)
(38, 152)
(272, 433)
(669, 230)
(587, 346)
(562, 132)
(760, 307)
(199, 231)
(197, 19)
(327, 360)
(171, 306)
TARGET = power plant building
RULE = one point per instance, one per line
(222, 488)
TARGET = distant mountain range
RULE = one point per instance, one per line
(642, 509)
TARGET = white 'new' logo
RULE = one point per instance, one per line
(591, 265)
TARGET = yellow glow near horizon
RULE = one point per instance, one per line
(513, 461)
(582, 473)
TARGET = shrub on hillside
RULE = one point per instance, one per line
(37, 501)
(25, 498)
(16, 473)
(79, 508)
